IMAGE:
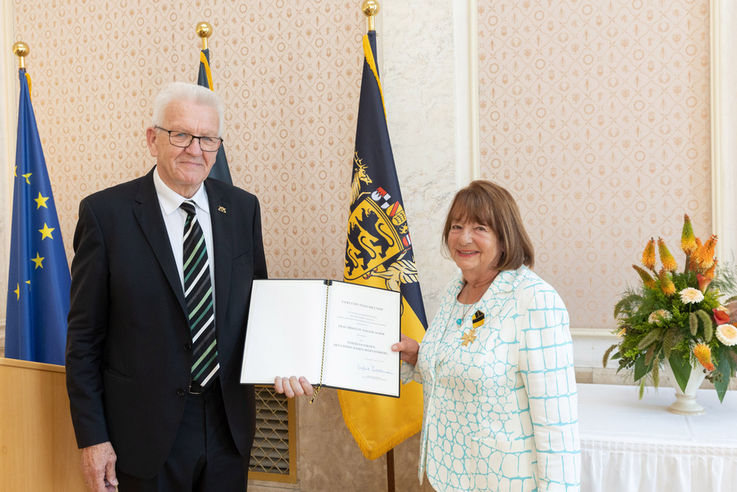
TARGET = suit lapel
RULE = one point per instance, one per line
(148, 214)
(222, 243)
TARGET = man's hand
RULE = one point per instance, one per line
(98, 467)
(292, 387)
(407, 348)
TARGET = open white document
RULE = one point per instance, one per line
(334, 333)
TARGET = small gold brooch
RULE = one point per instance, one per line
(470, 336)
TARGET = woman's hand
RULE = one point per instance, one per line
(293, 386)
(407, 348)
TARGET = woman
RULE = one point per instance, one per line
(496, 363)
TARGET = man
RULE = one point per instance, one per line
(161, 280)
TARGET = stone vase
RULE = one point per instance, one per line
(686, 403)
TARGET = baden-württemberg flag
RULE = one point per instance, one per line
(38, 283)
(379, 253)
(220, 169)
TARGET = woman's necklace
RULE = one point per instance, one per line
(469, 336)
(459, 321)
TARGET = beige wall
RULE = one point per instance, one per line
(595, 115)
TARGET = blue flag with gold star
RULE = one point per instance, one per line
(38, 283)
(379, 253)
(220, 169)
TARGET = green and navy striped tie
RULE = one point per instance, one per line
(198, 294)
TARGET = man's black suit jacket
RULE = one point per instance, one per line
(129, 352)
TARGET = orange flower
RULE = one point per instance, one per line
(646, 278)
(710, 272)
(705, 254)
(692, 262)
(666, 284)
(703, 282)
(648, 256)
(703, 354)
(688, 240)
(721, 316)
(669, 263)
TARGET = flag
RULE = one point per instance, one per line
(379, 253)
(220, 169)
(38, 282)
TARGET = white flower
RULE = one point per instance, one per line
(689, 295)
(658, 316)
(727, 334)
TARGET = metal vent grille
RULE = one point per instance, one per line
(273, 452)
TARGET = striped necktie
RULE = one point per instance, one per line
(198, 294)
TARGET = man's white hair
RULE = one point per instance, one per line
(182, 91)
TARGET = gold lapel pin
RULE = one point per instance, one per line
(222, 209)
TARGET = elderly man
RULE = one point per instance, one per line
(161, 280)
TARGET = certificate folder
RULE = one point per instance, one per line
(336, 334)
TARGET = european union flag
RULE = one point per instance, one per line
(220, 169)
(379, 253)
(38, 284)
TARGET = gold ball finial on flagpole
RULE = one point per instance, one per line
(204, 31)
(370, 8)
(20, 49)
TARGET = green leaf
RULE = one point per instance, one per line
(626, 303)
(681, 369)
(642, 388)
(671, 338)
(721, 382)
(732, 361)
(641, 368)
(693, 324)
(649, 338)
(606, 354)
(649, 355)
(656, 373)
(707, 324)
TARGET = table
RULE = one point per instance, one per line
(631, 445)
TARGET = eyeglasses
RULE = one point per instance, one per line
(184, 140)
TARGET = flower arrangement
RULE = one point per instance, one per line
(678, 317)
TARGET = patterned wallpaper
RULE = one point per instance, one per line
(596, 116)
(289, 72)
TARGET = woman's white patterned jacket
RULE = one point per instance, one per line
(500, 412)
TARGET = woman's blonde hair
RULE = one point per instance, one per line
(491, 205)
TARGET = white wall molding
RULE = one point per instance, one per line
(589, 345)
(723, 38)
(466, 72)
(8, 128)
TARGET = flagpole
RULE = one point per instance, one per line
(370, 8)
(20, 49)
(204, 31)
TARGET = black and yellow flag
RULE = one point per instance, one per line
(379, 253)
(220, 169)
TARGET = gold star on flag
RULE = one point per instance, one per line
(41, 201)
(17, 292)
(38, 260)
(15, 171)
(27, 176)
(46, 232)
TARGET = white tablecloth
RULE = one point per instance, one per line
(631, 445)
